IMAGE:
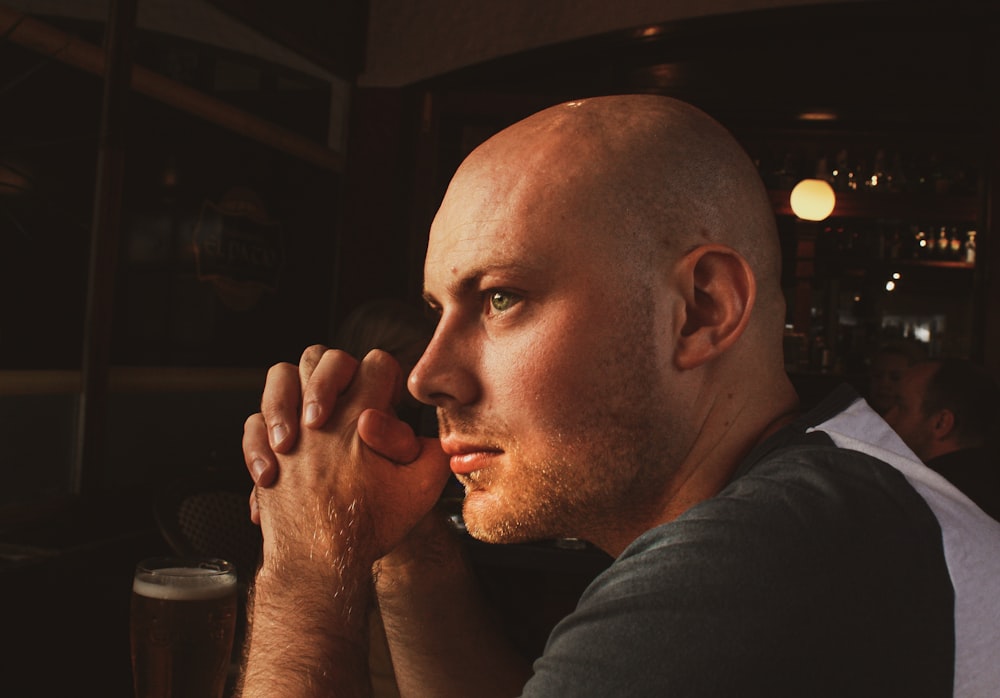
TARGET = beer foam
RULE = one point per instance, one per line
(184, 585)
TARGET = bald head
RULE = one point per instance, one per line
(601, 269)
(651, 169)
(643, 178)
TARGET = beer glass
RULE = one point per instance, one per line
(183, 616)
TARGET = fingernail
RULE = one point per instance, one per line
(257, 468)
(312, 412)
(278, 434)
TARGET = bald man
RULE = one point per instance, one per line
(607, 365)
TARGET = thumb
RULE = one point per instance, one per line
(408, 492)
(388, 436)
(425, 475)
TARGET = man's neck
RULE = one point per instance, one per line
(726, 437)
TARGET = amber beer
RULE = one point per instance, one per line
(182, 623)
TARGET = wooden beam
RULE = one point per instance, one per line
(49, 41)
(104, 243)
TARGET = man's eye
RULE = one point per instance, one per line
(501, 301)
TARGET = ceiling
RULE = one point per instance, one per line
(330, 33)
(394, 43)
(317, 37)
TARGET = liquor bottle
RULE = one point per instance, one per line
(844, 177)
(970, 247)
(878, 178)
(954, 245)
(941, 246)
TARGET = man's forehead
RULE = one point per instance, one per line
(920, 374)
(480, 228)
(532, 215)
(472, 251)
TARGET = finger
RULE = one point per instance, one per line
(280, 405)
(329, 376)
(388, 436)
(418, 484)
(378, 383)
(429, 472)
(257, 453)
(308, 361)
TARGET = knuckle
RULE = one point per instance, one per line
(279, 369)
(313, 353)
(253, 422)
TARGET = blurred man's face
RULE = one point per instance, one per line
(885, 376)
(906, 415)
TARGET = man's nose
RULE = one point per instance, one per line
(446, 372)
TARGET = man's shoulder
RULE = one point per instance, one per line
(976, 457)
(806, 509)
(802, 493)
(815, 555)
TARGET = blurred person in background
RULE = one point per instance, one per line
(403, 330)
(947, 410)
(886, 370)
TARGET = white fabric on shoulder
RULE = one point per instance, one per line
(971, 546)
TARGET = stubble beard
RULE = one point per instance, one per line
(601, 465)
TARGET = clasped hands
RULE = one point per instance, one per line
(334, 469)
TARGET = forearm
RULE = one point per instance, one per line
(307, 638)
(352, 484)
(443, 636)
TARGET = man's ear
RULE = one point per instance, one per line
(718, 290)
(942, 424)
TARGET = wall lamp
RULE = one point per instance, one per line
(813, 199)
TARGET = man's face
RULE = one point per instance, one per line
(547, 366)
(885, 375)
(906, 415)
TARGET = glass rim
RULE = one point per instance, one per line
(161, 565)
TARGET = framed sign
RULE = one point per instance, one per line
(238, 249)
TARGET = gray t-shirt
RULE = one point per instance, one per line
(818, 571)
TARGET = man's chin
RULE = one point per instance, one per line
(496, 528)
(500, 536)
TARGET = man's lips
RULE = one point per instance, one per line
(467, 458)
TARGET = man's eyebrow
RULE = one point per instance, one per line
(456, 289)
(467, 283)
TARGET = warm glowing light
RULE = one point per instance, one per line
(896, 275)
(890, 285)
(818, 116)
(813, 199)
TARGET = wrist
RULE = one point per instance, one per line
(314, 594)
(307, 633)
(431, 551)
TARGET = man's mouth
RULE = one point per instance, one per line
(467, 457)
